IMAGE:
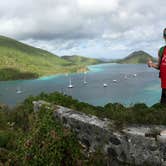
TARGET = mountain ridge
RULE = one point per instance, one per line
(31, 62)
(81, 59)
(136, 57)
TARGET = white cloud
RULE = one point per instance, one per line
(85, 26)
(96, 7)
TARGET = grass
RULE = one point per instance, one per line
(23, 58)
(76, 59)
(36, 138)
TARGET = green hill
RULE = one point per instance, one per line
(76, 59)
(21, 61)
(136, 57)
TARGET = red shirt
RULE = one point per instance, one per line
(163, 69)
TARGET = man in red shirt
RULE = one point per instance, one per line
(161, 65)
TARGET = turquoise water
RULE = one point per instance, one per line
(135, 84)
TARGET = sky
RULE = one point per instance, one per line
(109, 29)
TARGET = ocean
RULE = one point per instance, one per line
(127, 84)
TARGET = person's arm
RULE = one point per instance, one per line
(155, 65)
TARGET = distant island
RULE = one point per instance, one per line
(136, 57)
(76, 59)
(21, 61)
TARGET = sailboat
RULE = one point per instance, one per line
(18, 90)
(85, 82)
(125, 77)
(70, 85)
(135, 75)
(105, 85)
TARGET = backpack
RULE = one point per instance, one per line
(161, 51)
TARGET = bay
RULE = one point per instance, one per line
(126, 84)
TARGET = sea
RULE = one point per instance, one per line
(126, 84)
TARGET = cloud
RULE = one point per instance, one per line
(97, 8)
(90, 27)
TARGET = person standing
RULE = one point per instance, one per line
(161, 65)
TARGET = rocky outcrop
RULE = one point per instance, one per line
(135, 144)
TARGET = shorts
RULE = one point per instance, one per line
(163, 96)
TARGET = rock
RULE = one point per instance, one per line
(133, 144)
(162, 137)
(37, 105)
(114, 141)
(112, 152)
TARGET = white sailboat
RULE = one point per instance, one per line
(105, 85)
(125, 77)
(18, 90)
(85, 82)
(70, 84)
(134, 75)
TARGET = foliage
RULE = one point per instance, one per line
(49, 142)
(10, 73)
(30, 62)
(36, 138)
(138, 113)
(76, 59)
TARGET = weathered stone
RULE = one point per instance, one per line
(163, 149)
(37, 105)
(64, 120)
(162, 136)
(85, 142)
(153, 147)
(114, 141)
(122, 157)
(111, 152)
(128, 145)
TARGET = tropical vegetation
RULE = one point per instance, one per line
(136, 57)
(21, 61)
(37, 138)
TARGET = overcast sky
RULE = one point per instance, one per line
(95, 28)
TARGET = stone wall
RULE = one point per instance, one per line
(136, 144)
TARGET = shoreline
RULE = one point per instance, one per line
(59, 82)
(79, 70)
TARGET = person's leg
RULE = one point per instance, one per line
(163, 96)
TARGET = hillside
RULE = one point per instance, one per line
(76, 59)
(136, 57)
(21, 61)
(81, 61)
